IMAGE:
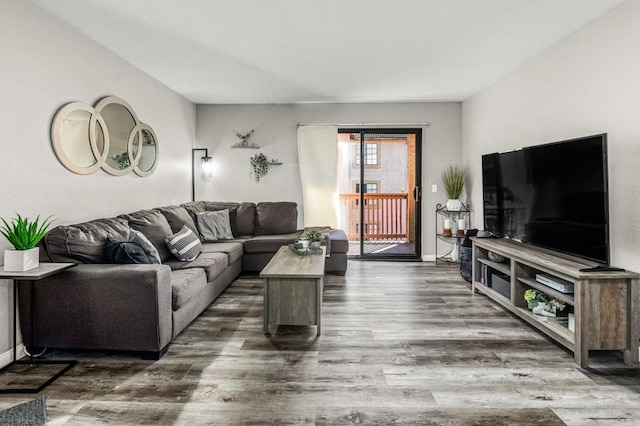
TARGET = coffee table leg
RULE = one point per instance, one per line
(265, 315)
(319, 305)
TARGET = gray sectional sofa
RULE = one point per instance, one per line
(141, 307)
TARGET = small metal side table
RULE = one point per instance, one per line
(31, 276)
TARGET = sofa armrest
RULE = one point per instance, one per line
(105, 306)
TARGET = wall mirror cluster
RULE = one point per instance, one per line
(108, 136)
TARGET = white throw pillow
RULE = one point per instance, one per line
(214, 225)
(184, 244)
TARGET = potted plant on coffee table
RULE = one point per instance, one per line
(24, 235)
(314, 237)
(453, 179)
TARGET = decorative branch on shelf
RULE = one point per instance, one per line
(244, 139)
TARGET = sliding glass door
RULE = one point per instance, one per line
(379, 175)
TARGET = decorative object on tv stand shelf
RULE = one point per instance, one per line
(453, 179)
(542, 304)
(494, 257)
(24, 235)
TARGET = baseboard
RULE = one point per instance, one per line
(7, 357)
(429, 258)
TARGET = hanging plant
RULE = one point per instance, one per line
(259, 166)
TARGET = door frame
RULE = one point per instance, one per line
(417, 194)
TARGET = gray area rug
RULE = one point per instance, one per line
(30, 413)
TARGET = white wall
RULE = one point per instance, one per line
(44, 64)
(275, 131)
(587, 84)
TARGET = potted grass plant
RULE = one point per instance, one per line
(24, 235)
(453, 179)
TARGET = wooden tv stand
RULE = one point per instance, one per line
(606, 305)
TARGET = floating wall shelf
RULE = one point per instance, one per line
(246, 147)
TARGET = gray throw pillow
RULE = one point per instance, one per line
(214, 225)
(139, 238)
(184, 244)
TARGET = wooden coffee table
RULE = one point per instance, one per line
(293, 289)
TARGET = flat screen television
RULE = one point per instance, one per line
(553, 195)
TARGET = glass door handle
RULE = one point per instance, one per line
(416, 194)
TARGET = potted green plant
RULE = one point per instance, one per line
(314, 237)
(453, 179)
(259, 166)
(23, 235)
(543, 304)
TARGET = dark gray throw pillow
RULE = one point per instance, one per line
(125, 252)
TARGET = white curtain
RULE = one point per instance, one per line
(318, 160)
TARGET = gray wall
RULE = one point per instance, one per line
(275, 131)
(45, 64)
(586, 84)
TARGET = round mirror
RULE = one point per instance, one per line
(120, 121)
(148, 151)
(75, 141)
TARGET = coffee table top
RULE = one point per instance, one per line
(287, 264)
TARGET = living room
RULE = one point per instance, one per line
(583, 84)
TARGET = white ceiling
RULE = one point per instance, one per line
(293, 51)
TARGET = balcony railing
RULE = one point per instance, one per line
(385, 215)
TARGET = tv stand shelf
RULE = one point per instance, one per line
(605, 304)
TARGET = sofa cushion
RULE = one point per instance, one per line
(214, 225)
(276, 218)
(269, 243)
(241, 215)
(212, 263)
(154, 226)
(84, 242)
(194, 207)
(184, 244)
(126, 252)
(233, 250)
(339, 241)
(185, 285)
(178, 216)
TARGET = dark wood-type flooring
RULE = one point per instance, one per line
(402, 343)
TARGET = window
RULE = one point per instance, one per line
(371, 154)
(368, 187)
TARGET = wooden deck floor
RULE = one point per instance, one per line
(402, 343)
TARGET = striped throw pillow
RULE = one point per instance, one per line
(184, 244)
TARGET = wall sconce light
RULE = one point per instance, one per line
(206, 167)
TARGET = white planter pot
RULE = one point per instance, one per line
(315, 245)
(541, 310)
(454, 205)
(21, 260)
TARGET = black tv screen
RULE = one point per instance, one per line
(552, 195)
